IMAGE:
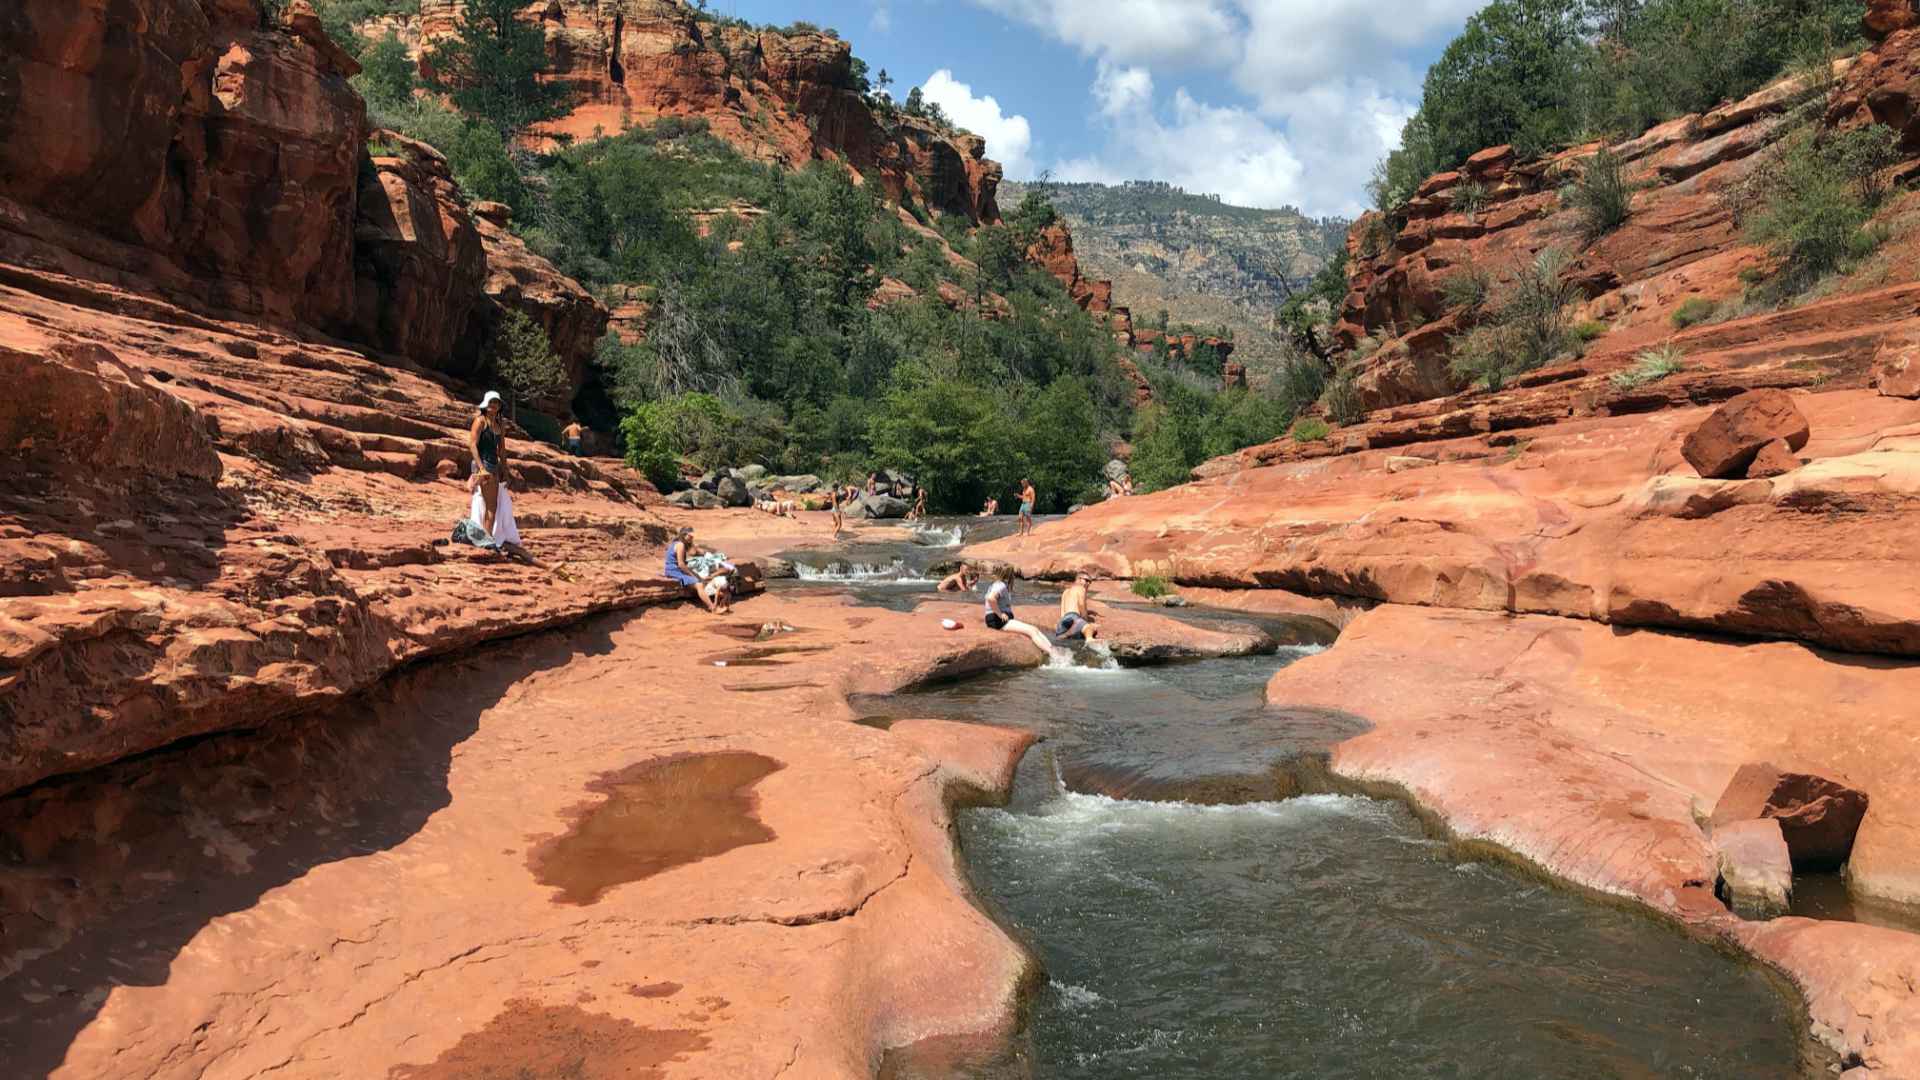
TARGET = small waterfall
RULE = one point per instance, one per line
(848, 572)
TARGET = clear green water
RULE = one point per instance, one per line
(1323, 936)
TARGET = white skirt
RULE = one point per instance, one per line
(504, 530)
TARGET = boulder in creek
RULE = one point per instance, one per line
(773, 569)
(1818, 817)
(1756, 871)
(804, 484)
(1774, 459)
(695, 499)
(1724, 445)
(709, 481)
(733, 491)
(884, 507)
(1115, 469)
(751, 473)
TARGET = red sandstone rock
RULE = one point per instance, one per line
(1818, 817)
(1774, 459)
(418, 260)
(517, 279)
(207, 154)
(1728, 441)
(1896, 369)
(1052, 251)
(1883, 17)
(1755, 869)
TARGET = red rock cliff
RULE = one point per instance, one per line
(781, 97)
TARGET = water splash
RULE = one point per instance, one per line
(938, 536)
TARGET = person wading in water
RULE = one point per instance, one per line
(487, 441)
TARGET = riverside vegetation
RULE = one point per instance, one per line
(767, 339)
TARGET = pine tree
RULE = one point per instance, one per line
(491, 68)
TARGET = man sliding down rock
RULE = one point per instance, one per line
(1076, 614)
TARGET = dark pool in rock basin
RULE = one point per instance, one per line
(1322, 936)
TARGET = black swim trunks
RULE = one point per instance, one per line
(997, 621)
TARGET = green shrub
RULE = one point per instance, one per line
(1151, 588)
(1470, 197)
(1468, 287)
(1812, 202)
(1299, 383)
(1651, 365)
(1600, 195)
(1524, 330)
(648, 435)
(1310, 429)
(1696, 309)
(1588, 330)
(1342, 399)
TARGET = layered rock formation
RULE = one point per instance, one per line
(1680, 244)
(785, 97)
(200, 155)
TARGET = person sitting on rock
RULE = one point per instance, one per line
(998, 607)
(992, 507)
(919, 511)
(679, 568)
(1076, 614)
(487, 442)
(961, 580)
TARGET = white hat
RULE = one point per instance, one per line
(492, 397)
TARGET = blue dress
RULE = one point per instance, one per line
(675, 570)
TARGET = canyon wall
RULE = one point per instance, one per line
(194, 151)
(783, 97)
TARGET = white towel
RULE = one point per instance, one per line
(504, 530)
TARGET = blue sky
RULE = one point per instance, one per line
(1265, 102)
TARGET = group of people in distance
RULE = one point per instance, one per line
(1076, 622)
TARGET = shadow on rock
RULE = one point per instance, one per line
(106, 876)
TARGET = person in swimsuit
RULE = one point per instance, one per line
(841, 497)
(1027, 499)
(998, 609)
(961, 580)
(487, 442)
(919, 511)
(574, 433)
(679, 557)
(1076, 614)
(992, 507)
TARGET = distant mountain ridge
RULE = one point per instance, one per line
(1204, 261)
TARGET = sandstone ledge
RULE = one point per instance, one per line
(1591, 753)
(381, 906)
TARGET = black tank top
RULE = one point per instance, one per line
(489, 447)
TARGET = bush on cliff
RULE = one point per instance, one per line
(1812, 202)
(1524, 329)
(1539, 74)
(1600, 195)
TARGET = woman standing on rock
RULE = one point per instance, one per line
(487, 442)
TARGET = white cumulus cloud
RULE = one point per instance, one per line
(1009, 138)
(1327, 85)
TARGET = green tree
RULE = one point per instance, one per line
(950, 436)
(1060, 441)
(386, 78)
(491, 68)
(524, 361)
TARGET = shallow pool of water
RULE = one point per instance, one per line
(1320, 936)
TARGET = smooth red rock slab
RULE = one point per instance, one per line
(1727, 442)
(1138, 638)
(1774, 459)
(1819, 817)
(375, 889)
(1756, 873)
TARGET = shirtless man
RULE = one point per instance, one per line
(1076, 614)
(574, 433)
(1027, 499)
(961, 580)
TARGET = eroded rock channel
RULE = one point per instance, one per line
(1201, 910)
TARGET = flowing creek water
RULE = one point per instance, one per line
(1195, 922)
